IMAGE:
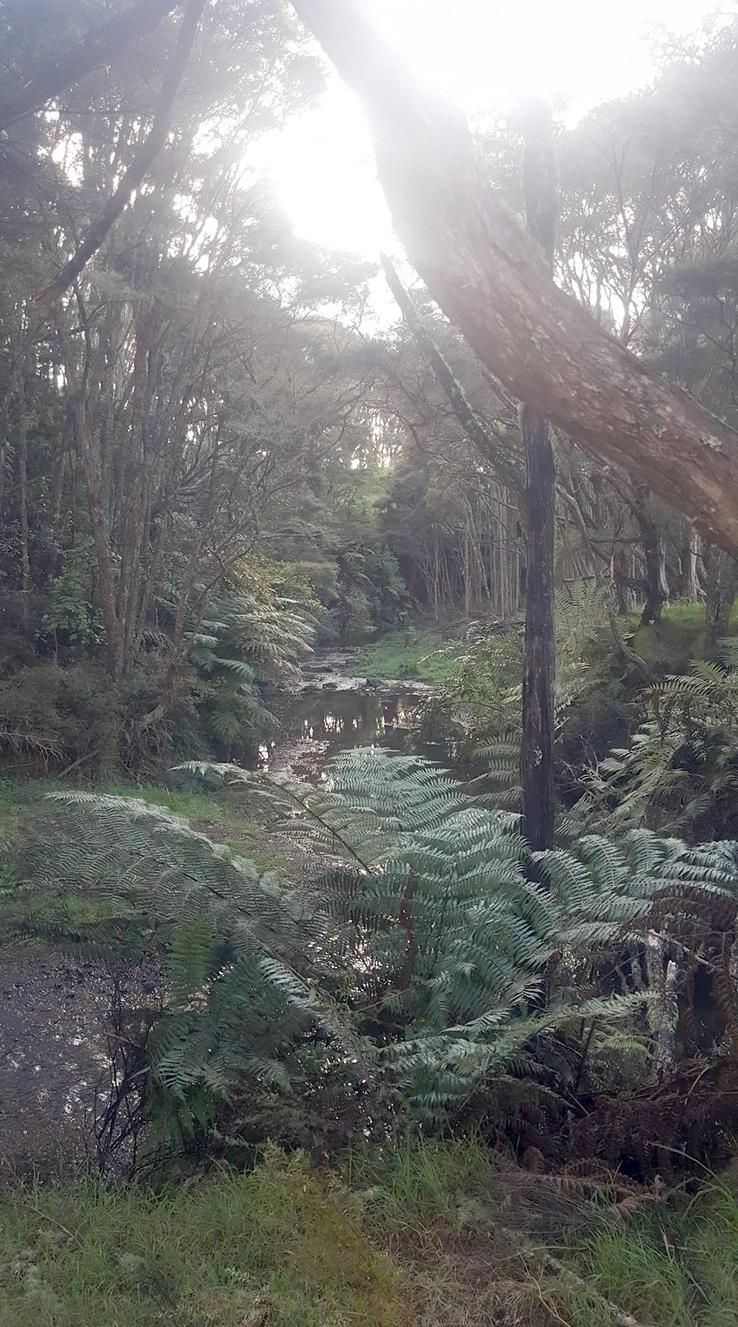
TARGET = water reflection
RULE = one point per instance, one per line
(339, 720)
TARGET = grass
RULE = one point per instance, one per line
(417, 654)
(677, 637)
(425, 1187)
(281, 1246)
(679, 1267)
(392, 1238)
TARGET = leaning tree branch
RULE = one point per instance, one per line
(487, 438)
(99, 47)
(492, 282)
(96, 233)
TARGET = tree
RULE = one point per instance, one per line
(493, 284)
(99, 46)
(539, 653)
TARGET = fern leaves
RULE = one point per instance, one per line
(434, 952)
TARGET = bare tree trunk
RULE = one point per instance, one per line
(621, 577)
(539, 651)
(89, 463)
(496, 287)
(21, 456)
(720, 592)
(654, 578)
(689, 581)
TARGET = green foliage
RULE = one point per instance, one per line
(282, 1244)
(371, 594)
(140, 880)
(296, 1247)
(421, 1186)
(445, 939)
(679, 771)
(417, 653)
(674, 1266)
(73, 718)
(69, 617)
(251, 635)
(430, 953)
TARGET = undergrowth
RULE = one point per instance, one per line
(398, 1238)
(222, 814)
(678, 1265)
(280, 1246)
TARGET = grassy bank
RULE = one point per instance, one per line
(677, 638)
(280, 1246)
(422, 1236)
(417, 653)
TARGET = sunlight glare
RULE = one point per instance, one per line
(486, 55)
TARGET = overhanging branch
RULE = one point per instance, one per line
(491, 281)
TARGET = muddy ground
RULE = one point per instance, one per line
(53, 1057)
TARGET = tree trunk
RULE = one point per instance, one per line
(720, 592)
(689, 581)
(654, 576)
(22, 467)
(89, 465)
(536, 752)
(494, 445)
(539, 650)
(496, 286)
(621, 579)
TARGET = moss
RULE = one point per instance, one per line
(678, 637)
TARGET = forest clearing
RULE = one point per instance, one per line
(368, 664)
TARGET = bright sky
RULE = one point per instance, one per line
(485, 55)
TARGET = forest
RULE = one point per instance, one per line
(368, 688)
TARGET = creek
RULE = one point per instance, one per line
(329, 709)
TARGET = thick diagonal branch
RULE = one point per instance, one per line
(489, 442)
(492, 282)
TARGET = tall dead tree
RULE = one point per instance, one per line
(496, 287)
(539, 653)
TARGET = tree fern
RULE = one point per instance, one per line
(426, 953)
(679, 771)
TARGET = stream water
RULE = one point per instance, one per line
(332, 710)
